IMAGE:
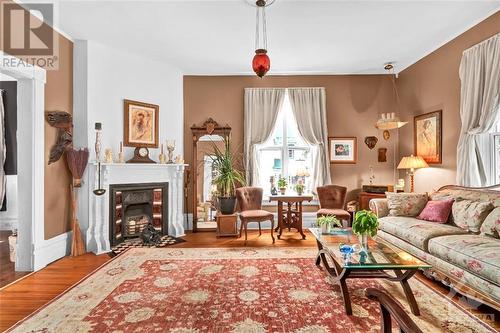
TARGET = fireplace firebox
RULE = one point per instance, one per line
(133, 207)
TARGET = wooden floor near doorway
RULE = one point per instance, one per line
(25, 296)
(7, 272)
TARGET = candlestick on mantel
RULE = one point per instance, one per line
(98, 130)
(121, 157)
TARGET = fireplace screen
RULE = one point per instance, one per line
(134, 206)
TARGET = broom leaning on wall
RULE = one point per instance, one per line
(77, 162)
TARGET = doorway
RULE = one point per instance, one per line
(32, 250)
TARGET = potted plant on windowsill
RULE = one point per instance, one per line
(365, 224)
(327, 223)
(282, 185)
(228, 177)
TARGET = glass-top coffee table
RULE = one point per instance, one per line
(380, 259)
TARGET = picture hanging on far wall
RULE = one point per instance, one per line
(428, 138)
(140, 124)
(343, 150)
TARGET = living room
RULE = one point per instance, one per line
(250, 166)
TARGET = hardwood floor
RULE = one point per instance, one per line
(25, 296)
(7, 272)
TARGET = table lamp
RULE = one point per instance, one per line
(412, 162)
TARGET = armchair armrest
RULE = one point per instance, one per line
(379, 207)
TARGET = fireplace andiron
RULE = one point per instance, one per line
(150, 236)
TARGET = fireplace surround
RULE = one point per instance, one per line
(97, 231)
(133, 207)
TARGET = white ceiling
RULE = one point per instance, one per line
(304, 37)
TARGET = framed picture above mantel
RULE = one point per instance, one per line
(140, 124)
(343, 150)
(428, 137)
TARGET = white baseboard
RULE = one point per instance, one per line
(308, 220)
(52, 249)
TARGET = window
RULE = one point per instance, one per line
(496, 154)
(285, 153)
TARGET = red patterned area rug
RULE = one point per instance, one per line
(228, 290)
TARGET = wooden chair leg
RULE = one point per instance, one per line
(272, 228)
(241, 226)
(246, 237)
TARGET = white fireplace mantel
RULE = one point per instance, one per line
(97, 234)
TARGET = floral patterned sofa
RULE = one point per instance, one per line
(465, 257)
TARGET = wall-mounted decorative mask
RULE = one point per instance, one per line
(63, 121)
(371, 141)
(387, 135)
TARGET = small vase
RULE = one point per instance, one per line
(363, 241)
(326, 229)
(299, 192)
(282, 190)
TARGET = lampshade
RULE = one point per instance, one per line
(412, 162)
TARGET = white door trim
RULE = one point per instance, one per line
(31, 243)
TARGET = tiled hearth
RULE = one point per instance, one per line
(161, 200)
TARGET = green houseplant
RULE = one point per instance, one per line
(282, 185)
(228, 177)
(299, 188)
(327, 223)
(365, 224)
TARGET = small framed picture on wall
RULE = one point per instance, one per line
(428, 138)
(343, 150)
(140, 124)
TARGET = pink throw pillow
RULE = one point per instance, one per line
(436, 211)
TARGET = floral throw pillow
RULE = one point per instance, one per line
(491, 225)
(469, 215)
(405, 204)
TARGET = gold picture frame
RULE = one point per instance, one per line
(343, 150)
(428, 136)
(140, 124)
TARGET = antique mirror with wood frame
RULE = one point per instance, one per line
(205, 136)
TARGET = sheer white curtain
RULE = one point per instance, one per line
(479, 110)
(309, 109)
(262, 106)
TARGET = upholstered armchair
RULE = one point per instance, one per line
(332, 201)
(250, 202)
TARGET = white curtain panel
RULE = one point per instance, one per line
(262, 106)
(309, 108)
(479, 110)
(3, 150)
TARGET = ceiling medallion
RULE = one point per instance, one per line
(261, 62)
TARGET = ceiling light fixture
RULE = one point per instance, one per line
(261, 62)
(390, 120)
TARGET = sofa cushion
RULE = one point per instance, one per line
(405, 204)
(491, 225)
(479, 255)
(416, 232)
(469, 215)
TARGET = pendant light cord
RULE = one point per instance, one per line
(261, 12)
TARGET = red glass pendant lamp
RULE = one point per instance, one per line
(261, 62)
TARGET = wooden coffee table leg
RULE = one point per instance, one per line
(407, 290)
(345, 293)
